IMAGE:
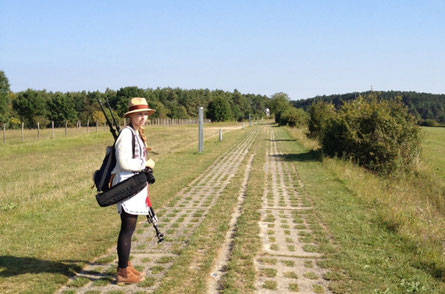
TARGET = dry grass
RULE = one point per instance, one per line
(32, 135)
(48, 170)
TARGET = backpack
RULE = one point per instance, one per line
(102, 176)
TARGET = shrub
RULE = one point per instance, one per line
(278, 104)
(43, 121)
(14, 123)
(294, 117)
(320, 113)
(99, 117)
(430, 123)
(380, 135)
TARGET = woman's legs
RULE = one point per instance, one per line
(124, 241)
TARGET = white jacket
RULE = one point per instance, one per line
(124, 152)
(127, 166)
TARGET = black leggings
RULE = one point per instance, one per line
(124, 241)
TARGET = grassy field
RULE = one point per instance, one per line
(434, 149)
(15, 136)
(12, 136)
(387, 234)
(50, 223)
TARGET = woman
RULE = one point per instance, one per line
(131, 151)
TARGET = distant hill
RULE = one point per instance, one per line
(424, 106)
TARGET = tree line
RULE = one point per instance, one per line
(41, 106)
(428, 109)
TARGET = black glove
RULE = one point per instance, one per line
(149, 173)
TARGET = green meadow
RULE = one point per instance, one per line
(434, 149)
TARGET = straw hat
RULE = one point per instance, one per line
(138, 104)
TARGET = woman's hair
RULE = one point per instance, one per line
(142, 134)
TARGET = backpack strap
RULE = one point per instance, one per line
(133, 141)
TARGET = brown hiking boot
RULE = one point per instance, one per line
(124, 276)
(135, 271)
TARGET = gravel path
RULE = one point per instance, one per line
(288, 260)
(178, 220)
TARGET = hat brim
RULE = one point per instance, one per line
(149, 110)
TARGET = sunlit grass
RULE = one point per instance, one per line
(434, 149)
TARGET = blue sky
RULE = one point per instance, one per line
(302, 48)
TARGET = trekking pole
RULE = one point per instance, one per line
(159, 235)
(112, 115)
(152, 219)
(112, 130)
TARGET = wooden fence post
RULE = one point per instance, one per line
(96, 126)
(38, 130)
(66, 125)
(4, 133)
(23, 135)
(52, 129)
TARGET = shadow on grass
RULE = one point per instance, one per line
(281, 140)
(313, 155)
(14, 266)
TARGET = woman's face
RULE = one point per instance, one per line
(138, 119)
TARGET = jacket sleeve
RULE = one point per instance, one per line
(124, 153)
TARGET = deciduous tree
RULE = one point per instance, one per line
(4, 97)
(219, 110)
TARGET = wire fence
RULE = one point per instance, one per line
(23, 134)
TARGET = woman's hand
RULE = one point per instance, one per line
(150, 163)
